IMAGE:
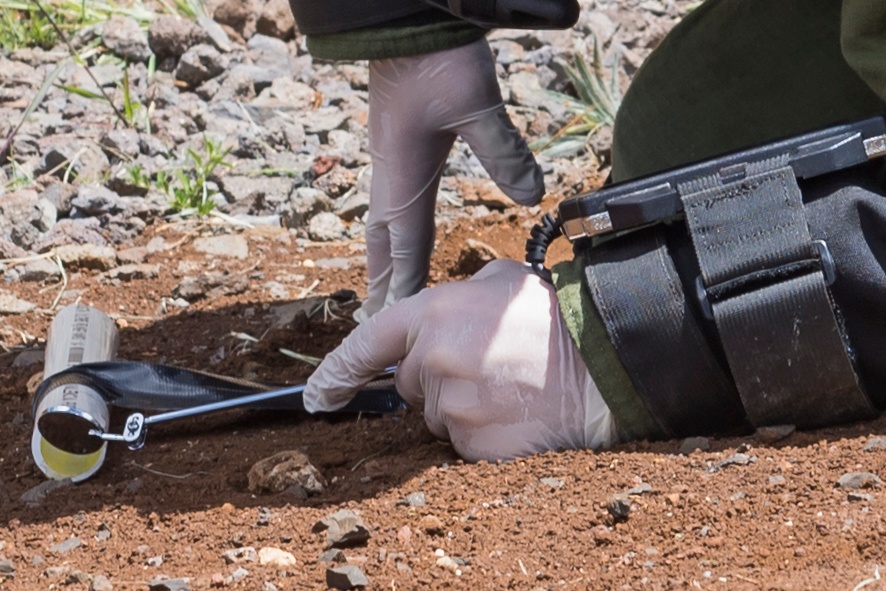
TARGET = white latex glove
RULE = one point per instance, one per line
(418, 105)
(489, 360)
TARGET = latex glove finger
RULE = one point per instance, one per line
(374, 345)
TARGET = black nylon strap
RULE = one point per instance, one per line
(762, 274)
(150, 386)
(640, 298)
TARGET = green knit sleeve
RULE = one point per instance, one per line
(391, 42)
(863, 41)
(586, 328)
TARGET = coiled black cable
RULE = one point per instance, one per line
(541, 236)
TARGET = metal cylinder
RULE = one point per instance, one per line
(78, 334)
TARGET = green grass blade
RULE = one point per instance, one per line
(38, 98)
(82, 92)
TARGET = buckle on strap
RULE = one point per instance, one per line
(825, 264)
(764, 283)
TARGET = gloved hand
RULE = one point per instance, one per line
(418, 106)
(489, 360)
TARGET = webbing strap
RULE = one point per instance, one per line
(639, 296)
(764, 280)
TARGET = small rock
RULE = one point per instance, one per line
(134, 485)
(474, 256)
(552, 482)
(180, 584)
(275, 557)
(120, 144)
(239, 15)
(343, 529)
(80, 159)
(640, 489)
(10, 304)
(101, 583)
(237, 555)
(77, 577)
(691, 444)
(66, 546)
(214, 34)
(619, 506)
(858, 480)
(169, 36)
(69, 232)
(264, 517)
(57, 572)
(857, 497)
(326, 227)
(132, 256)
(232, 245)
(739, 459)
(276, 20)
(415, 499)
(601, 535)
(304, 204)
(87, 256)
(212, 284)
(333, 555)
(40, 270)
(124, 36)
(131, 272)
(7, 567)
(283, 470)
(199, 64)
(335, 263)
(28, 358)
(875, 444)
(775, 433)
(432, 525)
(345, 577)
(448, 563)
(60, 195)
(10, 250)
(45, 215)
(337, 182)
(239, 574)
(352, 207)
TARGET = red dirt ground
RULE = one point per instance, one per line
(173, 508)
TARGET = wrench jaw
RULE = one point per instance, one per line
(136, 431)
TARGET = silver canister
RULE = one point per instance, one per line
(78, 334)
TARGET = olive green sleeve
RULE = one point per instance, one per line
(737, 73)
(374, 43)
(588, 333)
(863, 41)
